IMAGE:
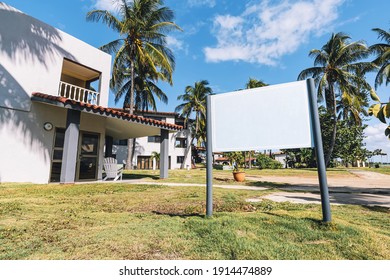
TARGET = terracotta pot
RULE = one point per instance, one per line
(239, 176)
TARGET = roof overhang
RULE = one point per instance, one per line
(79, 71)
(118, 125)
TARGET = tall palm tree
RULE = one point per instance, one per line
(194, 103)
(337, 71)
(146, 90)
(382, 51)
(142, 25)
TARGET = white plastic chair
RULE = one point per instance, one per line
(111, 169)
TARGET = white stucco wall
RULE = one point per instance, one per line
(281, 158)
(25, 147)
(31, 58)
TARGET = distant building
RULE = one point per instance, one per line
(179, 145)
(281, 157)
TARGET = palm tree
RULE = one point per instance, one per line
(382, 51)
(352, 107)
(145, 86)
(145, 92)
(156, 157)
(142, 25)
(253, 83)
(194, 103)
(337, 71)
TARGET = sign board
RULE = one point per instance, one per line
(272, 117)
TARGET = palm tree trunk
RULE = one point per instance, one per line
(333, 111)
(131, 142)
(188, 149)
(129, 158)
(328, 155)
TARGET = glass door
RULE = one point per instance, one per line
(88, 156)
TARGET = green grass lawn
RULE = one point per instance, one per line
(120, 221)
(382, 170)
(225, 176)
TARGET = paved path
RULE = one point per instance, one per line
(363, 188)
(335, 198)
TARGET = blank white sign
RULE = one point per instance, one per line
(272, 117)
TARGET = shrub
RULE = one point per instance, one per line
(265, 162)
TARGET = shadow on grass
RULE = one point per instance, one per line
(181, 215)
(316, 223)
(129, 176)
(380, 209)
(267, 184)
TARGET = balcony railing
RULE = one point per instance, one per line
(78, 93)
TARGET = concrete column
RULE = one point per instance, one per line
(109, 142)
(69, 158)
(164, 154)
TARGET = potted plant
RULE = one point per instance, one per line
(237, 160)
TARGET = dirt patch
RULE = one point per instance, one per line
(361, 179)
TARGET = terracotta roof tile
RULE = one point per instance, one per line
(108, 111)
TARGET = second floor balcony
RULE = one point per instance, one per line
(79, 83)
(77, 93)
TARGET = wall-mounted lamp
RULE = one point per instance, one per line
(48, 126)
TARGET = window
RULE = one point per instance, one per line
(180, 159)
(181, 143)
(58, 149)
(146, 162)
(154, 139)
(120, 142)
(179, 122)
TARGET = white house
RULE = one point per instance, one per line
(53, 127)
(179, 145)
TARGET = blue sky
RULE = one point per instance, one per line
(228, 41)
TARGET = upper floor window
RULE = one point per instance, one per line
(154, 139)
(122, 142)
(181, 143)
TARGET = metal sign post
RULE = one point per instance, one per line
(209, 161)
(321, 167)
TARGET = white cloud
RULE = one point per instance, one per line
(109, 5)
(264, 32)
(198, 3)
(376, 138)
(174, 43)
